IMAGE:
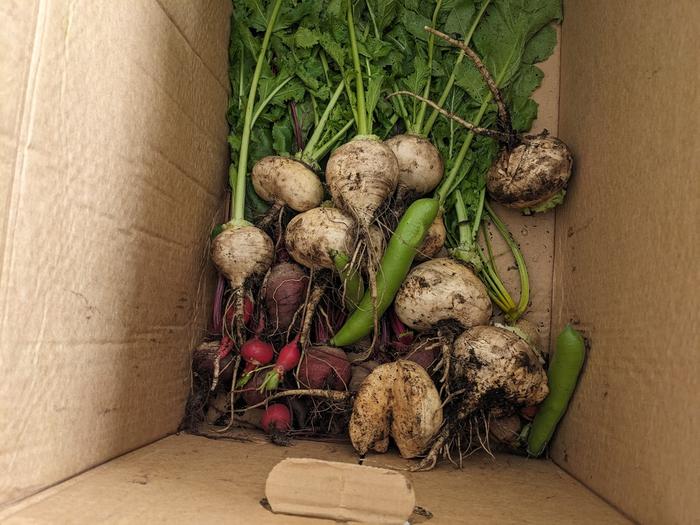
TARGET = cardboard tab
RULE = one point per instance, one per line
(340, 491)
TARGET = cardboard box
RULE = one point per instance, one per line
(114, 158)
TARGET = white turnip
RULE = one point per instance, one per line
(361, 175)
(434, 240)
(420, 164)
(498, 371)
(530, 174)
(242, 252)
(312, 237)
(287, 181)
(397, 400)
(440, 290)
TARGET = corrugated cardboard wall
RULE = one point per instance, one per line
(626, 259)
(113, 158)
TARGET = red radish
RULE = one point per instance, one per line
(287, 360)
(423, 352)
(325, 367)
(225, 346)
(285, 289)
(255, 352)
(277, 418)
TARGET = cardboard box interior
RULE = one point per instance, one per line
(114, 160)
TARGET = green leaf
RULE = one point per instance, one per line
(415, 23)
(385, 12)
(334, 49)
(552, 202)
(306, 38)
(416, 81)
(459, 18)
(503, 34)
(282, 137)
(541, 46)
(471, 81)
(374, 89)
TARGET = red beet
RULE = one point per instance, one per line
(285, 290)
(325, 367)
(423, 354)
(277, 418)
(251, 392)
(360, 371)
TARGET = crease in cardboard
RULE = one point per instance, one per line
(23, 140)
(189, 44)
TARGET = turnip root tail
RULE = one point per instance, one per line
(242, 252)
(503, 114)
(361, 175)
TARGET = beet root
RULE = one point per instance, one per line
(285, 289)
(251, 392)
(325, 367)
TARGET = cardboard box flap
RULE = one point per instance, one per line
(339, 491)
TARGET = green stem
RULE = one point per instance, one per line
(241, 83)
(328, 145)
(362, 127)
(519, 261)
(479, 212)
(238, 197)
(314, 105)
(450, 82)
(495, 285)
(374, 21)
(354, 286)
(462, 227)
(267, 100)
(444, 190)
(320, 126)
(426, 92)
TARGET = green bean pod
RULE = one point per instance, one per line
(395, 264)
(562, 376)
(352, 280)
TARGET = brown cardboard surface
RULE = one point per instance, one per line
(186, 479)
(626, 263)
(113, 156)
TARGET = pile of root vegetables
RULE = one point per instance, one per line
(358, 292)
